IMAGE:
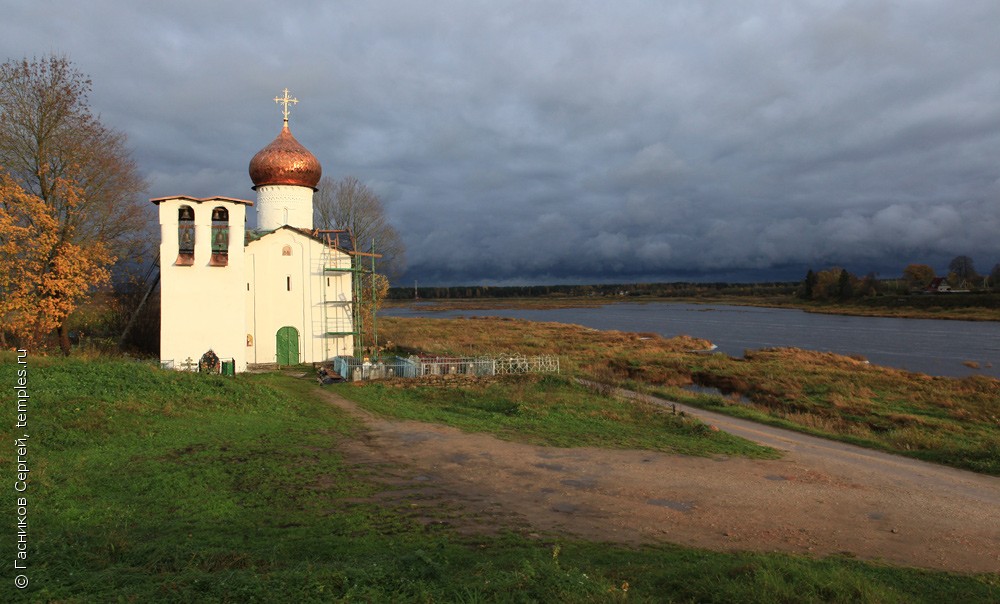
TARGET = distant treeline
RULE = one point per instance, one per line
(659, 290)
(831, 286)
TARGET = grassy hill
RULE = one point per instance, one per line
(154, 486)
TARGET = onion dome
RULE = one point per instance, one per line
(285, 162)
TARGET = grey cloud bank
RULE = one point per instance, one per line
(519, 142)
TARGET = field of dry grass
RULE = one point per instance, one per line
(583, 351)
(955, 421)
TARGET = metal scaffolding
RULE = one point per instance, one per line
(342, 314)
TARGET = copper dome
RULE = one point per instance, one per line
(285, 162)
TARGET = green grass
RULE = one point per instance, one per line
(151, 486)
(551, 410)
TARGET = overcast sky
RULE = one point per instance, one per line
(544, 142)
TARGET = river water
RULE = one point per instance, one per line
(931, 346)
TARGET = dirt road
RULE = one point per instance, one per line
(820, 498)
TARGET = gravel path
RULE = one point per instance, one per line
(821, 498)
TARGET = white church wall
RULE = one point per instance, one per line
(278, 205)
(202, 306)
(286, 286)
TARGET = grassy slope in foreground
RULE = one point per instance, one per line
(946, 420)
(154, 486)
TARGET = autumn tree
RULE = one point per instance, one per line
(826, 284)
(58, 151)
(961, 269)
(869, 286)
(350, 204)
(918, 275)
(44, 273)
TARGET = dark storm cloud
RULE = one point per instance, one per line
(535, 141)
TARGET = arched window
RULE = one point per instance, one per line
(185, 236)
(220, 236)
(286, 250)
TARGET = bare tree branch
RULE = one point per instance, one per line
(48, 133)
(350, 204)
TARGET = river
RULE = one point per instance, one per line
(935, 347)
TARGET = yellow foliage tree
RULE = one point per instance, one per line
(834, 282)
(44, 273)
(50, 137)
(918, 275)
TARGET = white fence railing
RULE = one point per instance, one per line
(413, 367)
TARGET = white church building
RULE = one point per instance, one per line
(281, 293)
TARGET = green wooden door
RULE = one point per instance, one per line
(288, 346)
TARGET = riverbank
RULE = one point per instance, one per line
(938, 306)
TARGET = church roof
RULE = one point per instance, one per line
(254, 235)
(158, 200)
(285, 162)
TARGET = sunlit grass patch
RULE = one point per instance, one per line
(550, 410)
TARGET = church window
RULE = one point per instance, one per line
(286, 251)
(185, 236)
(288, 282)
(220, 236)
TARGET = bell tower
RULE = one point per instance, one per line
(202, 279)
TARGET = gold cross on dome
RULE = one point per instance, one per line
(285, 101)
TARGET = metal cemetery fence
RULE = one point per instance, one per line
(411, 367)
(542, 364)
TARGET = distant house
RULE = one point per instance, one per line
(937, 285)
